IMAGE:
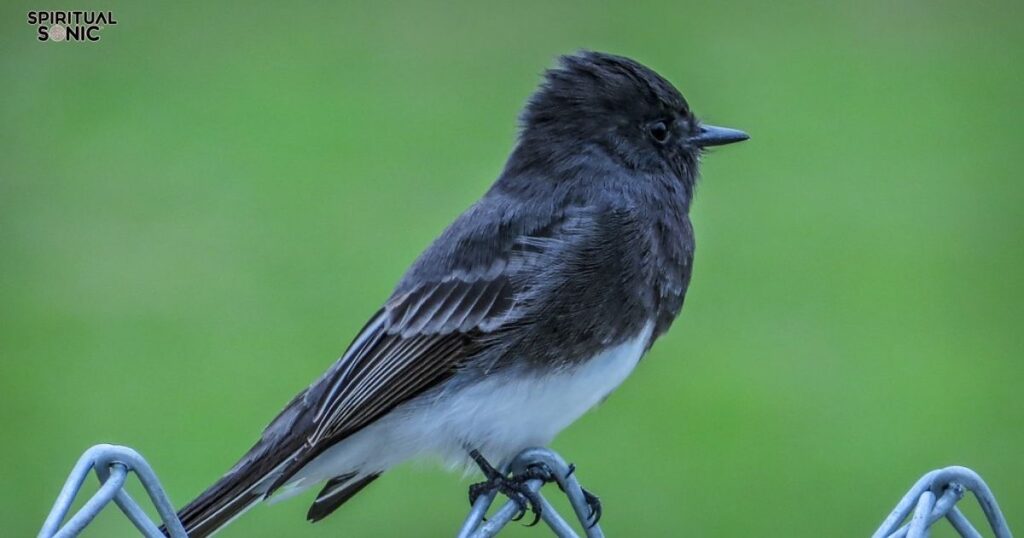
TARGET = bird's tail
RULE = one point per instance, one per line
(239, 489)
(216, 507)
(251, 480)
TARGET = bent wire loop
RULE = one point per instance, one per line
(476, 526)
(933, 497)
(112, 464)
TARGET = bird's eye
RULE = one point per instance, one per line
(659, 131)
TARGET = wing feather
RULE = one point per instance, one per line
(420, 338)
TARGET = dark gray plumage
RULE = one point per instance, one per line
(573, 263)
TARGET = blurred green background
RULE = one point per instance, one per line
(199, 211)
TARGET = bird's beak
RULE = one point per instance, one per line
(717, 136)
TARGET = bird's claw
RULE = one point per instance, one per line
(515, 487)
(594, 503)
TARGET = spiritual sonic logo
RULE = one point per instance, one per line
(70, 26)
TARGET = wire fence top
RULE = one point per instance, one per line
(932, 498)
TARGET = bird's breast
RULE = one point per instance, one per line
(508, 411)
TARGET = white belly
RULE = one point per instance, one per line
(500, 416)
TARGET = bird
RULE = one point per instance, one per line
(527, 311)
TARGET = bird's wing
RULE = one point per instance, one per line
(417, 340)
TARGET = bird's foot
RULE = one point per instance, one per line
(514, 486)
(593, 501)
(595, 507)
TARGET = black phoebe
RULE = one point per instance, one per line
(527, 311)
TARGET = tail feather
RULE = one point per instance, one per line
(206, 518)
(271, 463)
(248, 481)
(336, 492)
(222, 502)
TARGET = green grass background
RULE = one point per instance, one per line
(199, 211)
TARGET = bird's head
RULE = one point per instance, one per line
(596, 102)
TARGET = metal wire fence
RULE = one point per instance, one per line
(934, 497)
(112, 465)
